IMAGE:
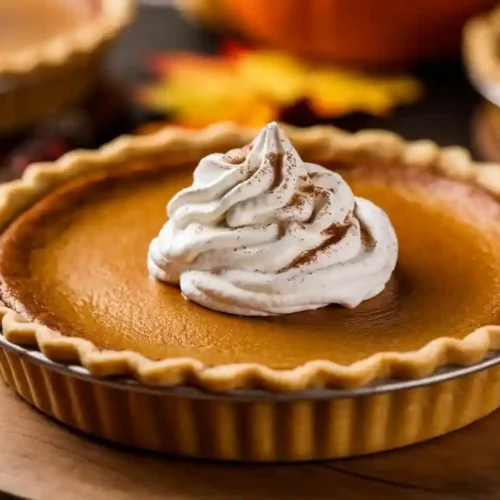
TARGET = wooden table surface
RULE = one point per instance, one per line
(40, 459)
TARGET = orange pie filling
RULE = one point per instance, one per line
(75, 262)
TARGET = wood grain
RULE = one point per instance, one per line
(41, 459)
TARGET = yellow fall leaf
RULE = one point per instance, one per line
(273, 75)
(337, 92)
(251, 89)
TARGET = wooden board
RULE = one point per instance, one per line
(41, 459)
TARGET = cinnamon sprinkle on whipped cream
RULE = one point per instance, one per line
(260, 232)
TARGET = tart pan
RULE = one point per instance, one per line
(255, 425)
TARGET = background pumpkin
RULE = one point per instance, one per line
(365, 32)
(208, 12)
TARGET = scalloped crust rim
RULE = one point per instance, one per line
(115, 16)
(319, 143)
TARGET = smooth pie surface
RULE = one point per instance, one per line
(76, 262)
(29, 23)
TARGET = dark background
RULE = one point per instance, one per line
(444, 115)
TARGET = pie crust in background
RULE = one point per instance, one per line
(40, 79)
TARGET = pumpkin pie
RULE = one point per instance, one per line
(75, 284)
(45, 65)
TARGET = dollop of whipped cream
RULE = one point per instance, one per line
(260, 232)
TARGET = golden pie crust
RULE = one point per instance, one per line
(42, 78)
(172, 145)
(82, 39)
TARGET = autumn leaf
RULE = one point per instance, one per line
(252, 87)
(273, 76)
(335, 93)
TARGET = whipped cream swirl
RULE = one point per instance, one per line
(260, 232)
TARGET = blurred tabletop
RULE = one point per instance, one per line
(40, 459)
